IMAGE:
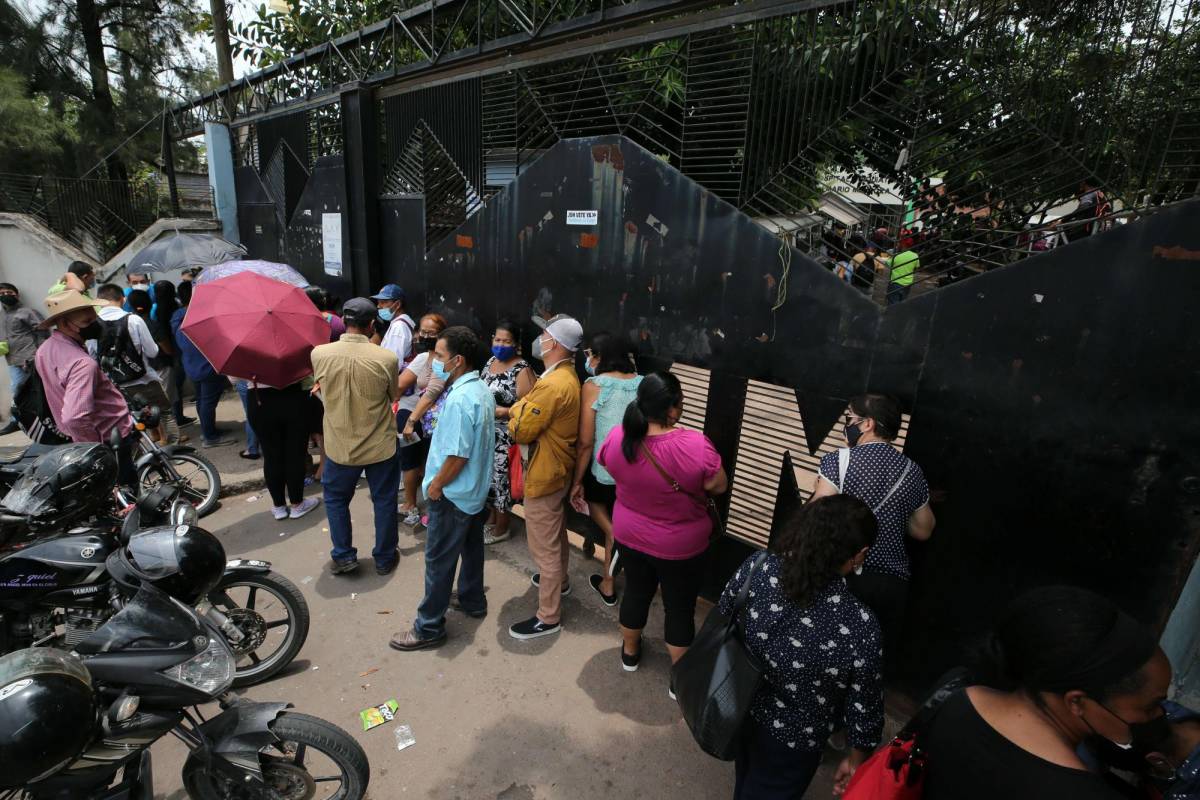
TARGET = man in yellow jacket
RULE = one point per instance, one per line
(545, 423)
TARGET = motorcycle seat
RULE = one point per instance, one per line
(14, 453)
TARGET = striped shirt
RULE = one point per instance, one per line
(358, 385)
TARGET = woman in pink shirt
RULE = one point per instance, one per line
(661, 525)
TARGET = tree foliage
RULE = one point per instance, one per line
(81, 78)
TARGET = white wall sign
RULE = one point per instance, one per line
(331, 243)
(591, 217)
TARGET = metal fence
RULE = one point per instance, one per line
(973, 133)
(102, 216)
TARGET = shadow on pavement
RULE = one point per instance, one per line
(615, 691)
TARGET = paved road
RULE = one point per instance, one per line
(493, 717)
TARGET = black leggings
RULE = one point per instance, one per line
(280, 420)
(680, 582)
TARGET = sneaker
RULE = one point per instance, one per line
(412, 517)
(306, 505)
(490, 536)
(11, 427)
(246, 454)
(221, 442)
(532, 628)
(279, 512)
(629, 663)
(183, 422)
(609, 600)
(389, 567)
(343, 566)
(536, 580)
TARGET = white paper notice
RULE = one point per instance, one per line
(591, 217)
(331, 243)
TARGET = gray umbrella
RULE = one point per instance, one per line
(184, 250)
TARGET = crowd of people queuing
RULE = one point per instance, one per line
(450, 436)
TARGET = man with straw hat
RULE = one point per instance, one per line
(86, 405)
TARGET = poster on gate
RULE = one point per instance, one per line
(331, 243)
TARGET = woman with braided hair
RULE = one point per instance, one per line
(819, 646)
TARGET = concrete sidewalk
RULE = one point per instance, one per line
(493, 717)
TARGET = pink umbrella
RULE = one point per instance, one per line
(252, 327)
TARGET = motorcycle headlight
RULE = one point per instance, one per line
(210, 671)
(183, 513)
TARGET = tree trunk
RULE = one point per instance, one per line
(224, 54)
(102, 99)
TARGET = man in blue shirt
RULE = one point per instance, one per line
(458, 474)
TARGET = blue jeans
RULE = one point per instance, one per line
(16, 376)
(208, 394)
(897, 293)
(451, 534)
(243, 390)
(767, 769)
(339, 482)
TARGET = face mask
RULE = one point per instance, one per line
(853, 434)
(92, 330)
(386, 314)
(503, 352)
(424, 344)
(587, 366)
(537, 349)
(1145, 738)
(9, 300)
(439, 371)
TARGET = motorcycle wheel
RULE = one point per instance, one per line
(264, 652)
(337, 770)
(200, 481)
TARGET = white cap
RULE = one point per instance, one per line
(563, 329)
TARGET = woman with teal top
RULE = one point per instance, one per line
(612, 387)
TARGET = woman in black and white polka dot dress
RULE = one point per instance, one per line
(820, 648)
(894, 488)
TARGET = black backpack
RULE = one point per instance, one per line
(32, 412)
(119, 358)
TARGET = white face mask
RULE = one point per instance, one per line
(539, 349)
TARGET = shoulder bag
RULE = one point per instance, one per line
(716, 679)
(709, 504)
(897, 770)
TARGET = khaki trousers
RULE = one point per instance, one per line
(546, 532)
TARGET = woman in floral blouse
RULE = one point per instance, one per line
(820, 648)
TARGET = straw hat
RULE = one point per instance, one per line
(65, 302)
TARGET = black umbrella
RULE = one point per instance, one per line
(184, 250)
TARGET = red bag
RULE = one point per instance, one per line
(516, 473)
(895, 772)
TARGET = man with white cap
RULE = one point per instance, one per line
(546, 423)
(85, 404)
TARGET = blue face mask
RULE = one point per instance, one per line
(386, 314)
(439, 371)
(587, 365)
(503, 352)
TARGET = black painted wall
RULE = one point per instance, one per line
(1052, 401)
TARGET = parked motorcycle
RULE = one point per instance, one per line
(176, 465)
(57, 589)
(81, 725)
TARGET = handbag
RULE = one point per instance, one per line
(716, 679)
(516, 473)
(709, 504)
(897, 770)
